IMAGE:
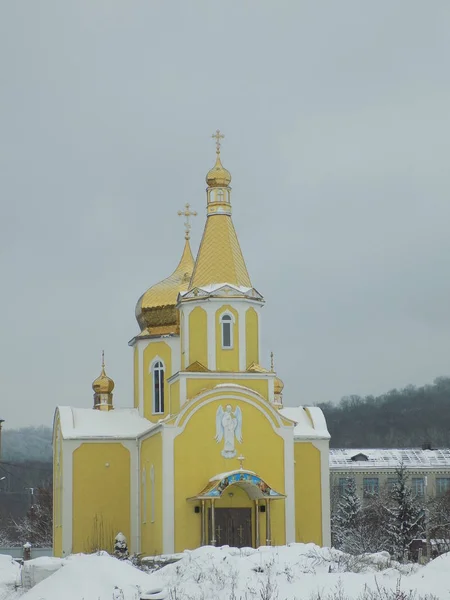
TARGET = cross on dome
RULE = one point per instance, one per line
(187, 213)
(218, 136)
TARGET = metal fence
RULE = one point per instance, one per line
(17, 551)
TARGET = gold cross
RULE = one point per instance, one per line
(241, 460)
(271, 361)
(187, 213)
(218, 136)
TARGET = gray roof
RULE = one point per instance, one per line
(388, 458)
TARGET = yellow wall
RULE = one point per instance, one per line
(57, 490)
(308, 496)
(175, 397)
(195, 386)
(136, 377)
(251, 336)
(101, 495)
(164, 352)
(198, 340)
(264, 452)
(228, 359)
(151, 532)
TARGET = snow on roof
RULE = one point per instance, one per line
(310, 422)
(89, 423)
(384, 458)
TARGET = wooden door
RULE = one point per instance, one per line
(233, 527)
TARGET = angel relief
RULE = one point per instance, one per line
(228, 427)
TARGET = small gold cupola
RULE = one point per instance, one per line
(218, 180)
(103, 387)
(278, 386)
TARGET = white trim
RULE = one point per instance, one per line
(234, 395)
(186, 337)
(168, 489)
(69, 446)
(182, 390)
(141, 377)
(211, 337)
(242, 339)
(323, 447)
(289, 483)
(135, 512)
(231, 321)
(222, 375)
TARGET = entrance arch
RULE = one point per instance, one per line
(233, 520)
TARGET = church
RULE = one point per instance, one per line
(208, 455)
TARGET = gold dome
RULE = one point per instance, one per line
(278, 385)
(103, 384)
(156, 308)
(218, 176)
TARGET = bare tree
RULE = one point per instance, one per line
(36, 526)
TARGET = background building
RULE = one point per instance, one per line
(374, 470)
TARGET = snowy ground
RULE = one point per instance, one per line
(298, 571)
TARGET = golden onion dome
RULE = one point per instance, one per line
(218, 176)
(103, 384)
(156, 309)
(278, 385)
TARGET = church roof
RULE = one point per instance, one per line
(156, 308)
(388, 458)
(121, 423)
(220, 258)
(309, 422)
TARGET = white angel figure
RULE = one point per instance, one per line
(228, 425)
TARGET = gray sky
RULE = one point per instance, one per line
(336, 116)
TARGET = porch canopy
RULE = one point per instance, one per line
(256, 488)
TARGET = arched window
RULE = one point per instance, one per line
(158, 387)
(226, 322)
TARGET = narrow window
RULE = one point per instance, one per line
(152, 494)
(158, 388)
(227, 331)
(418, 486)
(144, 495)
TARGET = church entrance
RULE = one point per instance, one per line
(233, 527)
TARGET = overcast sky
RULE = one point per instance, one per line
(336, 117)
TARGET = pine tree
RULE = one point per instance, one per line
(346, 519)
(405, 516)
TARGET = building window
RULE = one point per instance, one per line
(226, 322)
(391, 483)
(370, 486)
(344, 483)
(442, 486)
(158, 388)
(418, 486)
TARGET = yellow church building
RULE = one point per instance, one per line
(208, 454)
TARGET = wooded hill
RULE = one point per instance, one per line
(404, 418)
(408, 417)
